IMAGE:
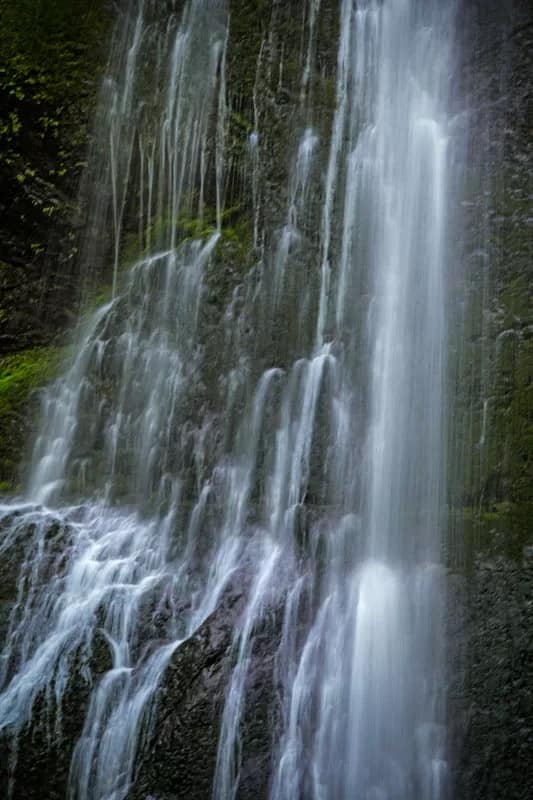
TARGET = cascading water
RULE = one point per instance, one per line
(109, 423)
(315, 474)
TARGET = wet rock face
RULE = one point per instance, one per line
(179, 757)
(491, 701)
(497, 449)
(491, 737)
(35, 764)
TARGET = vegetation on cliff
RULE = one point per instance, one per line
(20, 375)
(51, 57)
(51, 53)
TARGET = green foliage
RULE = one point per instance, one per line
(50, 52)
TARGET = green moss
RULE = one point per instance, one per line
(21, 372)
(20, 375)
(239, 121)
(502, 529)
(186, 227)
(515, 298)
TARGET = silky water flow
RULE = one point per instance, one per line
(317, 480)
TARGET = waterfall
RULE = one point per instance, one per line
(294, 448)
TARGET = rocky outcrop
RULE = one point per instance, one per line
(491, 728)
(495, 440)
(492, 598)
(35, 762)
(179, 759)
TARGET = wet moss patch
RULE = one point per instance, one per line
(20, 376)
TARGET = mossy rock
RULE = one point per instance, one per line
(20, 376)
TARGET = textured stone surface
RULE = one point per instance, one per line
(491, 603)
(179, 759)
(496, 372)
(491, 690)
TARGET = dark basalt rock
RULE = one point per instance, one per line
(36, 763)
(491, 731)
(179, 758)
(491, 670)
